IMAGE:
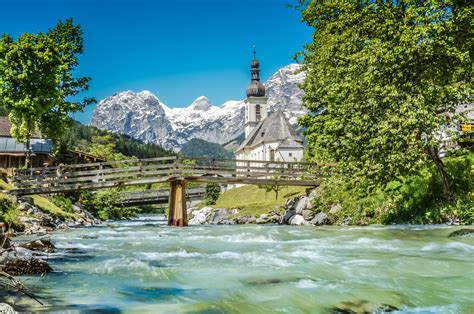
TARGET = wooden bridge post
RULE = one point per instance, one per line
(177, 215)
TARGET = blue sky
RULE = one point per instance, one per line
(177, 49)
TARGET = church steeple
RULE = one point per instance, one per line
(255, 88)
(256, 102)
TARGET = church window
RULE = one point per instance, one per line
(272, 155)
(257, 112)
(290, 154)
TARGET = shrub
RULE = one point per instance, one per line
(105, 204)
(417, 198)
(63, 202)
(211, 193)
(9, 212)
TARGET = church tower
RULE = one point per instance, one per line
(256, 102)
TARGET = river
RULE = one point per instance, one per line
(144, 266)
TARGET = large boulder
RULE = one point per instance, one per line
(298, 220)
(303, 203)
(199, 218)
(291, 203)
(85, 218)
(288, 216)
(307, 214)
(320, 219)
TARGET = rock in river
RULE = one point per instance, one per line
(39, 245)
(462, 233)
(20, 261)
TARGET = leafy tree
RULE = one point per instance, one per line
(211, 193)
(69, 42)
(384, 74)
(36, 81)
(272, 187)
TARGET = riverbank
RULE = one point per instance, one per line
(29, 217)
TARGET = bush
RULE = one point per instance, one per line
(9, 212)
(211, 193)
(105, 204)
(63, 202)
(413, 199)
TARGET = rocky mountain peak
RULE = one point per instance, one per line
(201, 103)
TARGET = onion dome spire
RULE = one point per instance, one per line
(255, 88)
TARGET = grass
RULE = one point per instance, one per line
(254, 201)
(43, 203)
(49, 207)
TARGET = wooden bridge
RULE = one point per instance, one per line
(176, 171)
(156, 196)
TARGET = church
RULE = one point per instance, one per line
(267, 137)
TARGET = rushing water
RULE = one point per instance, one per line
(143, 266)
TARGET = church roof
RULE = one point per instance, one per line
(290, 143)
(275, 128)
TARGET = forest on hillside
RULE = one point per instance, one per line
(107, 145)
(201, 148)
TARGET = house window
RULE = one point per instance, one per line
(263, 133)
(290, 154)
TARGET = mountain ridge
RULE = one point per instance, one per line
(143, 116)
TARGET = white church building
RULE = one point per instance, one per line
(267, 137)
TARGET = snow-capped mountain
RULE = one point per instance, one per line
(143, 116)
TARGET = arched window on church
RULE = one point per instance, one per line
(257, 112)
(272, 155)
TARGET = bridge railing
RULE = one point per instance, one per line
(155, 195)
(65, 178)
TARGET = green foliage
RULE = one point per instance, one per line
(201, 148)
(36, 80)
(211, 193)
(105, 144)
(9, 212)
(105, 205)
(416, 198)
(63, 202)
(382, 72)
(49, 207)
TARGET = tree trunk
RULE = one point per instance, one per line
(28, 154)
(442, 172)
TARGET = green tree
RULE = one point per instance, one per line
(272, 187)
(36, 81)
(69, 43)
(381, 75)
